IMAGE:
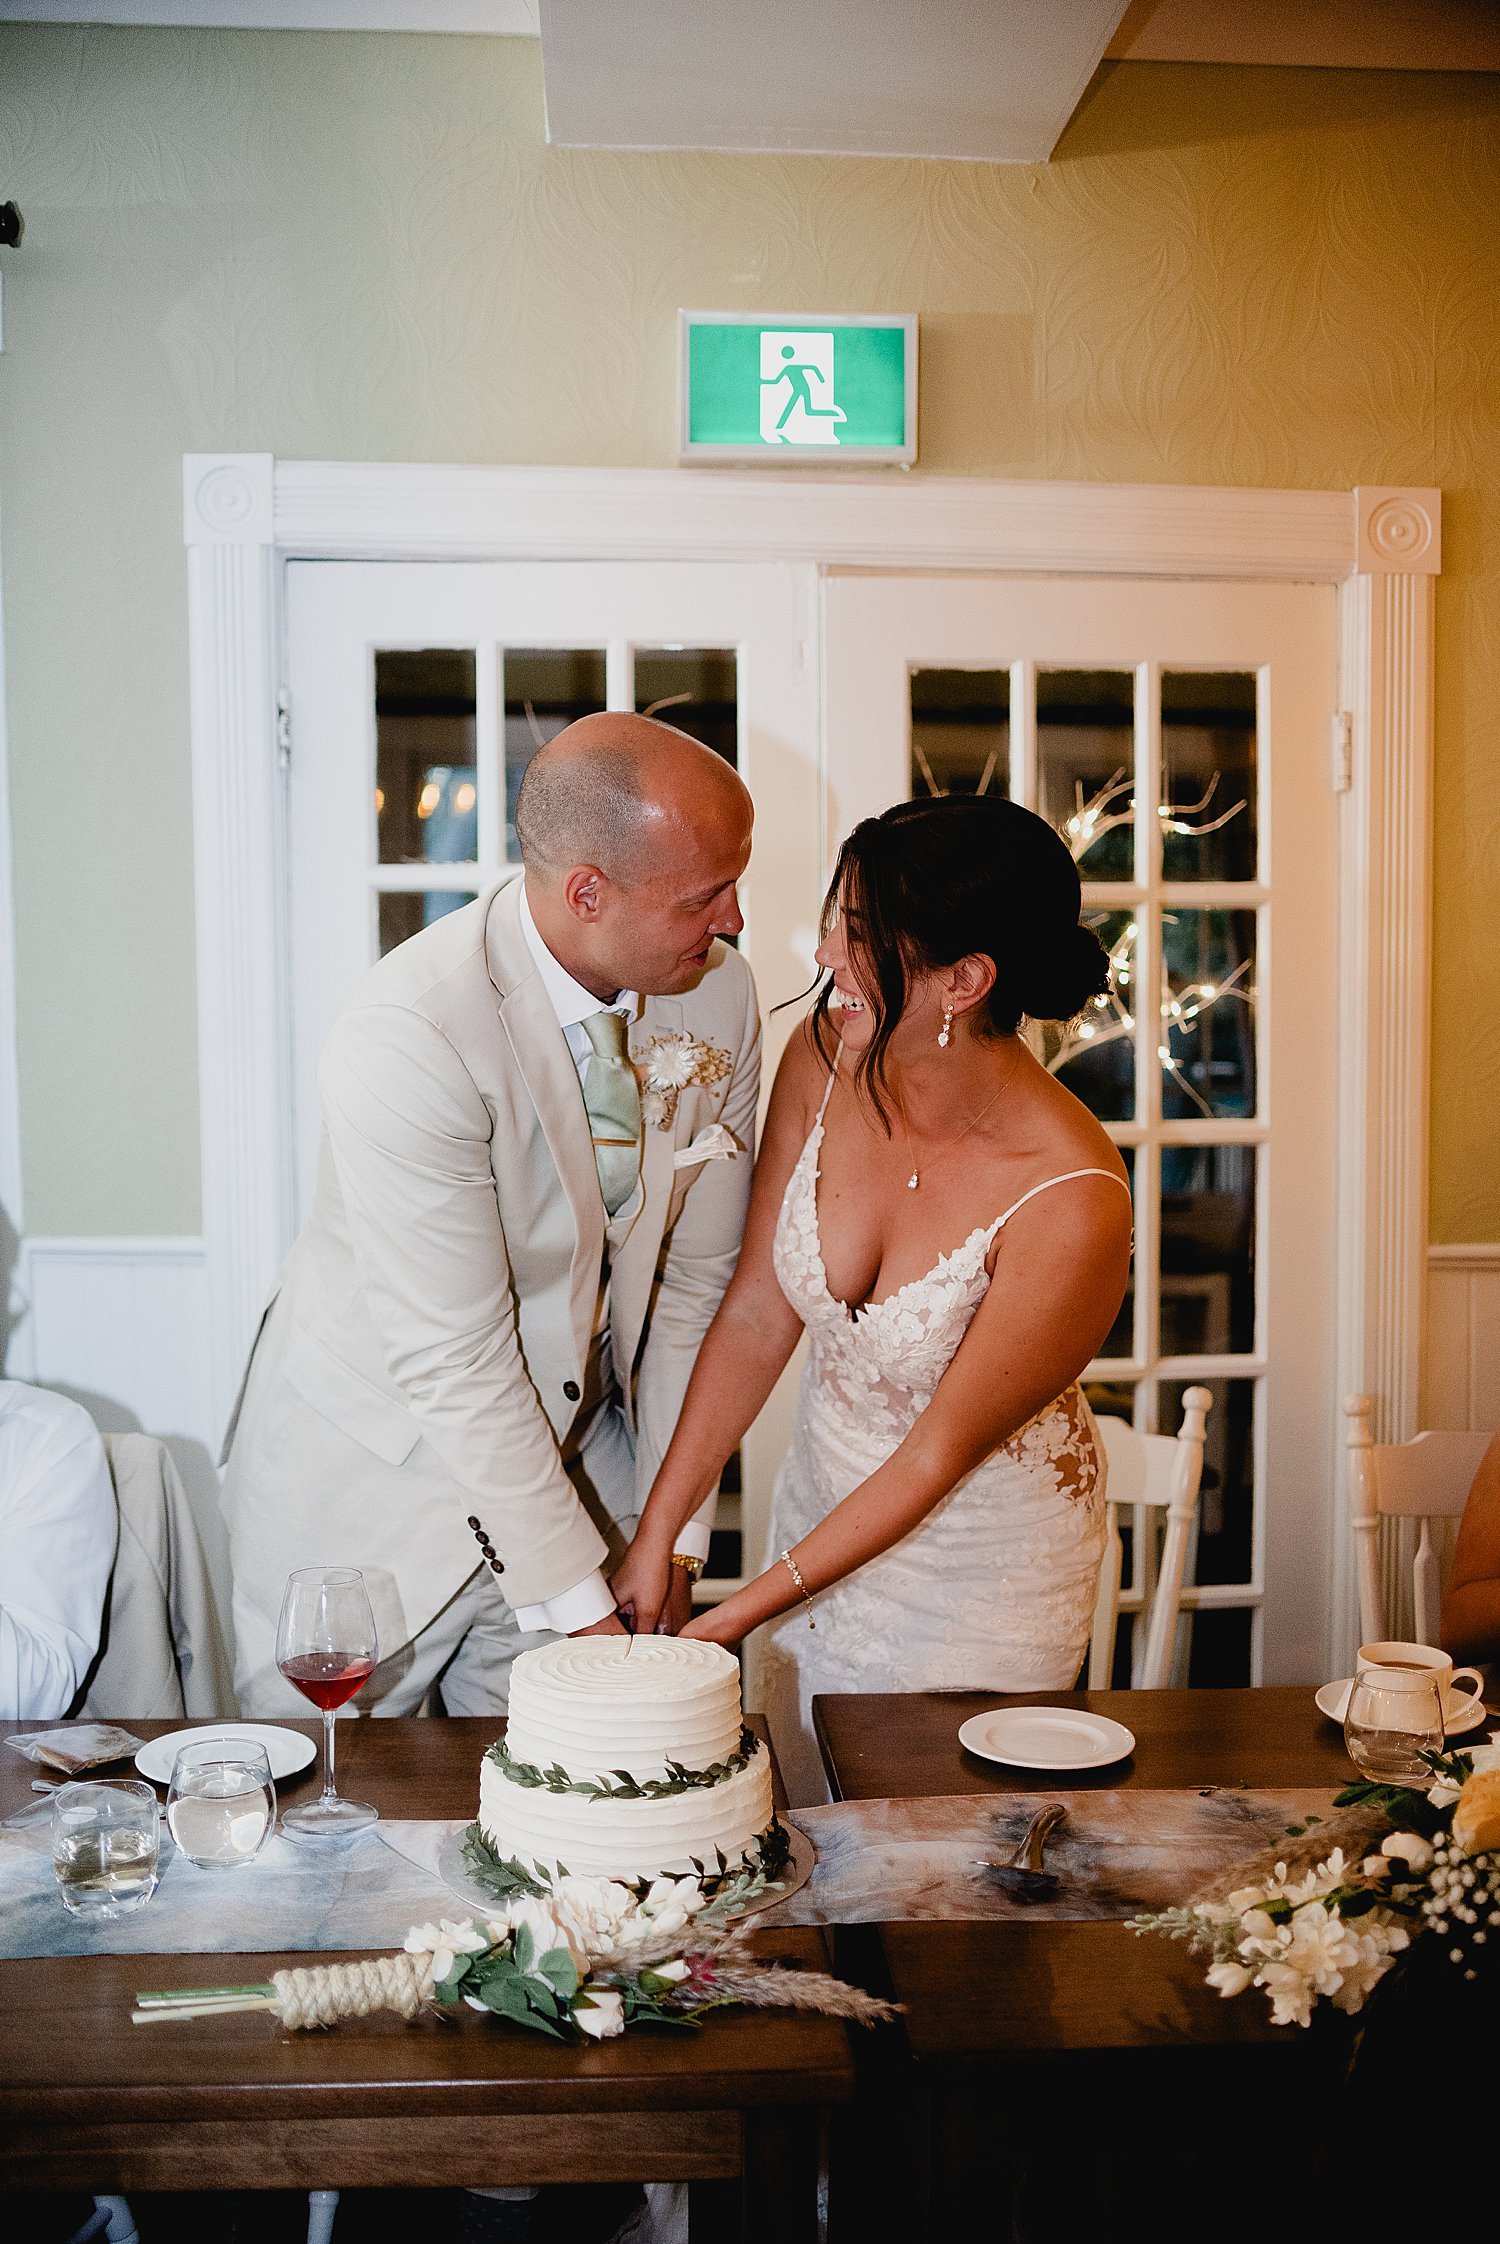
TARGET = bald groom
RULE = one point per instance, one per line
(478, 1345)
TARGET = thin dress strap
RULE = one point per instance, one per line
(833, 1076)
(1067, 1178)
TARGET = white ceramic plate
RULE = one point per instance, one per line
(1046, 1737)
(1462, 1713)
(286, 1750)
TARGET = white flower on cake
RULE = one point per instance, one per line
(670, 1065)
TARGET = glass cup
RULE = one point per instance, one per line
(104, 1846)
(221, 1805)
(1395, 1714)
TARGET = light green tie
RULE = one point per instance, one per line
(612, 1101)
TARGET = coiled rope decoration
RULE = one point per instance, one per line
(316, 1995)
(324, 1994)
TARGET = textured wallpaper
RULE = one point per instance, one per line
(362, 248)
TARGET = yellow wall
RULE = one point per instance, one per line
(361, 247)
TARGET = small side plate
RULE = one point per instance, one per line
(1046, 1737)
(1459, 1715)
(286, 1750)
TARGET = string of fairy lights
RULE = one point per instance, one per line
(1182, 1006)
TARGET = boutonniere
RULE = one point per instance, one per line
(670, 1066)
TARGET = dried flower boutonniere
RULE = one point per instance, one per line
(670, 1066)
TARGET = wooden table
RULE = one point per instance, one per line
(1075, 2057)
(89, 2101)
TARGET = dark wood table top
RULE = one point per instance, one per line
(1007, 1992)
(69, 2053)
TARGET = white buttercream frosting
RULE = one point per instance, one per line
(598, 1705)
(628, 1838)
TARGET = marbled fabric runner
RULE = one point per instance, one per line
(892, 1861)
(879, 1861)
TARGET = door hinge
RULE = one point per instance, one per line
(1341, 770)
(283, 727)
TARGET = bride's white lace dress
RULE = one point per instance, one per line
(994, 1590)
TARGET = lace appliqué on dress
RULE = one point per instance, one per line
(994, 1589)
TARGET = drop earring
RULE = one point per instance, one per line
(945, 1033)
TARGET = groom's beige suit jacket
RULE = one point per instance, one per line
(421, 1364)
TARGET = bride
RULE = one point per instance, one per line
(952, 1230)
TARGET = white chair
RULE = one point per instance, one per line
(1164, 1471)
(1424, 1479)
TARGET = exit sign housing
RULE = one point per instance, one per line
(797, 387)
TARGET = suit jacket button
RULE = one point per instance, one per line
(487, 1547)
(496, 1567)
(571, 1389)
(473, 1522)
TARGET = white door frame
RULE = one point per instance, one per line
(247, 514)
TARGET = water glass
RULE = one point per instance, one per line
(221, 1805)
(1395, 1714)
(104, 1846)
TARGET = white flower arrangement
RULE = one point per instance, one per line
(671, 1064)
(1334, 1931)
(578, 1958)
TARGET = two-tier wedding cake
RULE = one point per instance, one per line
(626, 1757)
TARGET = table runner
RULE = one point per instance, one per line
(879, 1861)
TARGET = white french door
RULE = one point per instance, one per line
(419, 691)
(1178, 733)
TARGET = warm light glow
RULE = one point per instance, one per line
(379, 800)
(463, 801)
(428, 800)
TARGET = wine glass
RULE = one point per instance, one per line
(221, 1804)
(1394, 1715)
(326, 1645)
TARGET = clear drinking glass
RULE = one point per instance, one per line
(221, 1806)
(104, 1846)
(326, 1645)
(1395, 1714)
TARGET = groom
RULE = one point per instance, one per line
(537, 1120)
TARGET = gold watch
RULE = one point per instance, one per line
(692, 1567)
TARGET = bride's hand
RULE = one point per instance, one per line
(641, 1583)
(711, 1628)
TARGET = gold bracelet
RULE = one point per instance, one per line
(795, 1571)
(690, 1566)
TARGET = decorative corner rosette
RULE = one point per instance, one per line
(669, 1066)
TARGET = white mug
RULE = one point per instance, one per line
(1426, 1659)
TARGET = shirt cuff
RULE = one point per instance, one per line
(692, 1539)
(581, 1606)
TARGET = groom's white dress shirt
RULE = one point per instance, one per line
(590, 1601)
(58, 1528)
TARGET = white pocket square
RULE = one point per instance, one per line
(713, 1144)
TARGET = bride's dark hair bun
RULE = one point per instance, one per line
(957, 876)
(1058, 983)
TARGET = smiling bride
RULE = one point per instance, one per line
(952, 1230)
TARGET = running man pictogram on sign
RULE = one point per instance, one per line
(797, 404)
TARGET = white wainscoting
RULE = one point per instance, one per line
(122, 1325)
(1461, 1369)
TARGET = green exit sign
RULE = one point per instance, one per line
(796, 386)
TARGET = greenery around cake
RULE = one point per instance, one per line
(619, 1784)
(506, 1877)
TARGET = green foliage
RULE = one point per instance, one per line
(619, 1784)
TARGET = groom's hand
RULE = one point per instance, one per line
(611, 1625)
(678, 1609)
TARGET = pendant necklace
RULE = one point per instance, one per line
(915, 1178)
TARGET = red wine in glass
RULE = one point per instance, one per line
(325, 1678)
(326, 1645)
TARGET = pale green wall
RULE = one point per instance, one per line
(361, 247)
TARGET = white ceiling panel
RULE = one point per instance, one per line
(987, 81)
